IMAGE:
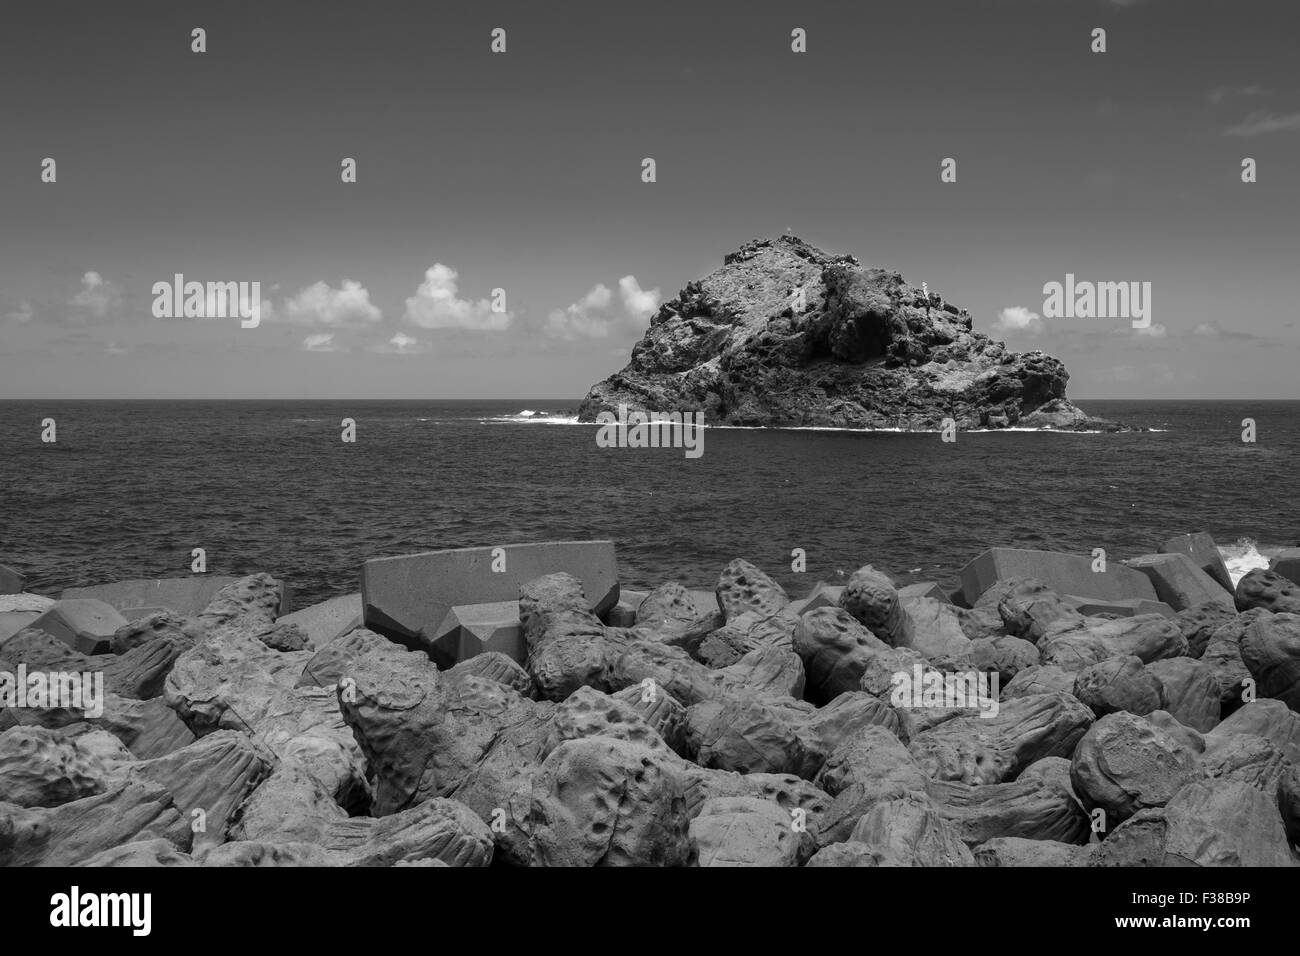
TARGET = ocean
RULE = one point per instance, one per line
(131, 487)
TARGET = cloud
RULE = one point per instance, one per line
(321, 342)
(348, 306)
(97, 297)
(1213, 330)
(436, 305)
(112, 348)
(401, 344)
(1260, 123)
(1153, 331)
(1018, 319)
(22, 315)
(596, 315)
(1221, 93)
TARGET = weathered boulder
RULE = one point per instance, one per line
(598, 801)
(46, 768)
(1287, 564)
(1188, 691)
(934, 630)
(156, 852)
(1268, 590)
(984, 750)
(1148, 637)
(1118, 683)
(908, 831)
(743, 587)
(1270, 649)
(1265, 718)
(1028, 608)
(1125, 764)
(1037, 805)
(1199, 622)
(745, 831)
(1039, 679)
(835, 650)
(1247, 758)
(845, 854)
(871, 598)
(1005, 656)
(1018, 851)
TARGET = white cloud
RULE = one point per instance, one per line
(321, 342)
(1018, 319)
(595, 315)
(1153, 331)
(401, 344)
(23, 314)
(97, 297)
(1221, 93)
(348, 306)
(1260, 123)
(436, 305)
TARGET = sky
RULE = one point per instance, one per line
(522, 172)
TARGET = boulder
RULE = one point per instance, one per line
(1267, 718)
(85, 625)
(1247, 758)
(1223, 823)
(743, 587)
(407, 598)
(1125, 764)
(835, 650)
(1039, 679)
(598, 801)
(437, 829)
(870, 597)
(1118, 683)
(1189, 691)
(934, 630)
(47, 768)
(156, 852)
(1005, 656)
(1270, 649)
(983, 750)
(844, 854)
(669, 603)
(908, 831)
(743, 633)
(1149, 637)
(784, 790)
(252, 854)
(74, 832)
(1200, 547)
(1063, 573)
(1199, 622)
(1018, 851)
(329, 620)
(1268, 590)
(744, 831)
(1038, 805)
(1029, 608)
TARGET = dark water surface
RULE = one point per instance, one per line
(131, 487)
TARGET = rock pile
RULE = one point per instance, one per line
(751, 731)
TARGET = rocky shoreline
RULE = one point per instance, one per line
(786, 335)
(1135, 713)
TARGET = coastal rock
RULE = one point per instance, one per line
(1125, 764)
(46, 768)
(1188, 691)
(156, 852)
(604, 802)
(860, 349)
(566, 642)
(668, 603)
(1270, 649)
(1246, 758)
(589, 713)
(1267, 718)
(1199, 622)
(1005, 656)
(743, 587)
(744, 831)
(1038, 805)
(1018, 851)
(845, 854)
(496, 666)
(247, 853)
(1148, 637)
(1118, 683)
(1268, 590)
(437, 829)
(871, 598)
(1029, 608)
(934, 630)
(73, 832)
(908, 831)
(1039, 679)
(984, 750)
(155, 626)
(783, 790)
(835, 650)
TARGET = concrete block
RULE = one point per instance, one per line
(407, 598)
(822, 595)
(623, 614)
(84, 624)
(11, 622)
(187, 596)
(1063, 573)
(329, 620)
(11, 581)
(926, 589)
(1287, 564)
(1179, 580)
(471, 629)
(1200, 547)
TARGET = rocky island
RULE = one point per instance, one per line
(785, 335)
